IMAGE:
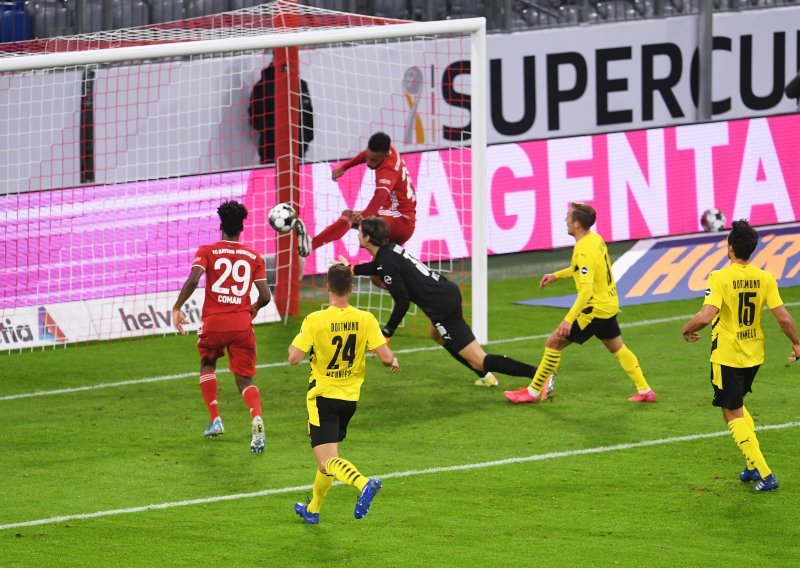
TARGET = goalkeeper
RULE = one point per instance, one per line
(394, 199)
(408, 280)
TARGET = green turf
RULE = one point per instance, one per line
(672, 504)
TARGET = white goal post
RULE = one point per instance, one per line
(18, 209)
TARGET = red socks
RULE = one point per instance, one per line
(252, 399)
(208, 386)
(332, 232)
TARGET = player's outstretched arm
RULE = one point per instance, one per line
(789, 328)
(186, 291)
(546, 279)
(387, 357)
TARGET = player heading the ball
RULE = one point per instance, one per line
(394, 199)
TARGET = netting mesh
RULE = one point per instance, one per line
(112, 172)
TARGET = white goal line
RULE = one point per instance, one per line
(409, 473)
(286, 364)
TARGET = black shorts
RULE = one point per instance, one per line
(602, 328)
(328, 419)
(455, 331)
(730, 384)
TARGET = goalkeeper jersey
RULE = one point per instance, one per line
(338, 339)
(740, 292)
(409, 280)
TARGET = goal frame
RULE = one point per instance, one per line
(474, 27)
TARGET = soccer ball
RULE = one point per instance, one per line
(712, 220)
(281, 217)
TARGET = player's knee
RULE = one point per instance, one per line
(243, 382)
(615, 346)
(552, 342)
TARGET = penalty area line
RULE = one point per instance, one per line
(286, 364)
(409, 473)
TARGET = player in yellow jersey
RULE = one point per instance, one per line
(338, 339)
(735, 299)
(594, 312)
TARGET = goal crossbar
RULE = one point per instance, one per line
(251, 43)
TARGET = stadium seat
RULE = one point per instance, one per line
(337, 5)
(50, 18)
(198, 8)
(428, 10)
(129, 14)
(15, 23)
(396, 9)
(166, 11)
(466, 8)
(239, 4)
(90, 19)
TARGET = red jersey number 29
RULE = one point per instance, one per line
(239, 271)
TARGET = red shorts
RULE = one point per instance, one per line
(241, 349)
(400, 228)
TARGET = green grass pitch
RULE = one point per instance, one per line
(589, 494)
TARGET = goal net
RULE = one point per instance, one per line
(118, 147)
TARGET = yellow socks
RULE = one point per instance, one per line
(630, 364)
(746, 440)
(322, 484)
(547, 366)
(346, 472)
(748, 419)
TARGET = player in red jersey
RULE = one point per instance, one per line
(231, 271)
(394, 199)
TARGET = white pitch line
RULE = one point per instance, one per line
(409, 473)
(286, 364)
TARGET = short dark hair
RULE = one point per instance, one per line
(340, 279)
(743, 238)
(376, 230)
(232, 215)
(379, 142)
(583, 213)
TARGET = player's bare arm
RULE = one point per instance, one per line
(546, 279)
(700, 320)
(186, 291)
(296, 355)
(789, 328)
(337, 173)
(385, 354)
(584, 295)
